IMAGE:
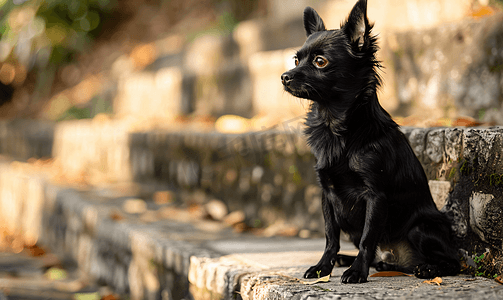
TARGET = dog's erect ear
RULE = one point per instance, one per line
(357, 24)
(312, 21)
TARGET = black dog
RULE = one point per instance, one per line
(374, 187)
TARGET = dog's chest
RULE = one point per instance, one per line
(344, 188)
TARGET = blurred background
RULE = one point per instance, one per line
(159, 63)
(122, 104)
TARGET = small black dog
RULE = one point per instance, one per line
(374, 187)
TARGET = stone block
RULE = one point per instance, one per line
(486, 213)
(453, 143)
(439, 191)
(450, 70)
(249, 38)
(417, 140)
(268, 95)
(24, 139)
(435, 145)
(90, 150)
(150, 95)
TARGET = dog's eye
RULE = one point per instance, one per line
(320, 62)
(296, 60)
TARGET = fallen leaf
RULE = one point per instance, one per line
(56, 274)
(116, 216)
(389, 274)
(436, 280)
(134, 206)
(35, 250)
(86, 296)
(466, 121)
(163, 197)
(322, 279)
(499, 280)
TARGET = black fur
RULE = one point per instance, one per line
(374, 187)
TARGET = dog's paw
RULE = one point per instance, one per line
(354, 276)
(427, 271)
(382, 266)
(318, 271)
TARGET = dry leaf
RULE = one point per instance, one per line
(499, 280)
(55, 273)
(322, 279)
(35, 250)
(466, 121)
(436, 280)
(116, 216)
(389, 274)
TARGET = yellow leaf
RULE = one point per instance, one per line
(86, 296)
(389, 274)
(56, 274)
(322, 279)
(436, 280)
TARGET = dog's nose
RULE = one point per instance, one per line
(286, 79)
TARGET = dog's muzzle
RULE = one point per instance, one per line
(286, 78)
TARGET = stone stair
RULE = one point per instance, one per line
(267, 175)
(75, 202)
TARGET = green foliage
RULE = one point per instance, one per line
(482, 266)
(452, 173)
(58, 27)
(495, 179)
(97, 105)
(465, 168)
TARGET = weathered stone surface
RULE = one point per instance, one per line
(269, 175)
(486, 215)
(453, 69)
(87, 147)
(255, 279)
(23, 139)
(440, 191)
(162, 91)
(435, 145)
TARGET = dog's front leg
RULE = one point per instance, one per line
(375, 220)
(332, 233)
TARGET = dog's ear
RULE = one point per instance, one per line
(312, 21)
(357, 24)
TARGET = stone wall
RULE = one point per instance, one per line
(466, 165)
(451, 70)
(268, 174)
(23, 139)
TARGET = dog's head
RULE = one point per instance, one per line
(333, 64)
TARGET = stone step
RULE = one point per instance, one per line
(188, 260)
(269, 176)
(452, 66)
